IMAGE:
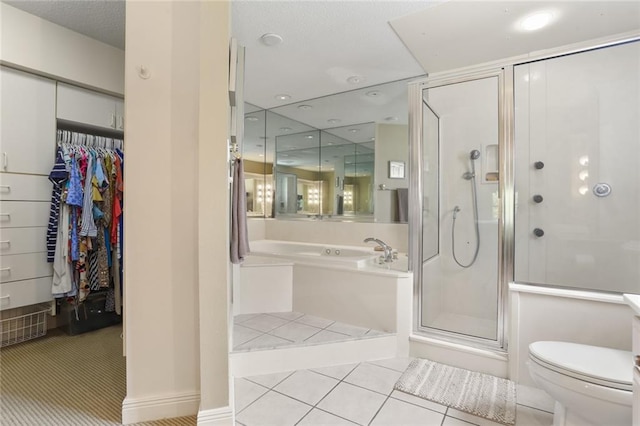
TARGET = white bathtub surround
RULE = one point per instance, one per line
(265, 285)
(342, 233)
(354, 309)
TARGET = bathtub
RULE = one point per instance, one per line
(315, 253)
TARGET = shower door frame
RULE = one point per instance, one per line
(506, 241)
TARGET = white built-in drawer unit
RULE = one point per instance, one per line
(19, 267)
(23, 293)
(89, 108)
(22, 240)
(18, 187)
(20, 214)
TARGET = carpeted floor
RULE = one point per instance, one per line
(67, 380)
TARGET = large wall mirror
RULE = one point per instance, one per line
(329, 158)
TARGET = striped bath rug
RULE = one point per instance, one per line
(475, 393)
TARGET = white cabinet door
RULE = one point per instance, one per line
(120, 114)
(23, 293)
(87, 107)
(27, 123)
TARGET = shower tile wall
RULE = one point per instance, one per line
(579, 115)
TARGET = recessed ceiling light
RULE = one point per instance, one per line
(391, 118)
(283, 97)
(251, 118)
(354, 130)
(535, 21)
(309, 136)
(329, 143)
(305, 107)
(333, 120)
(271, 39)
(372, 139)
(260, 155)
(356, 79)
(285, 129)
(374, 93)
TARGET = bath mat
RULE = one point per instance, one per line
(475, 393)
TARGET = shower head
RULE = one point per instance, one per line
(475, 154)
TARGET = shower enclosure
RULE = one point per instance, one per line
(524, 173)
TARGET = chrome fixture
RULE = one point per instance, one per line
(388, 255)
(473, 155)
(602, 189)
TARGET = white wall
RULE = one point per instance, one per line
(176, 257)
(36, 45)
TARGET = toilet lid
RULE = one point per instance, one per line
(604, 366)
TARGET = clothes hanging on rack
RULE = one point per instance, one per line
(85, 226)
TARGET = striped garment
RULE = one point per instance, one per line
(58, 177)
(88, 226)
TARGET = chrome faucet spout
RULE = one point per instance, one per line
(388, 251)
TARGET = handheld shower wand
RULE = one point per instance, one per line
(473, 155)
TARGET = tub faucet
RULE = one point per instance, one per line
(386, 247)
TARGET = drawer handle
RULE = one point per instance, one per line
(7, 269)
(7, 242)
(5, 160)
(5, 214)
(8, 296)
(8, 187)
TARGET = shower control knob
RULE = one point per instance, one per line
(538, 198)
(538, 165)
(538, 232)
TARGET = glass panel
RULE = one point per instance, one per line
(460, 285)
(430, 173)
(577, 175)
(253, 153)
(299, 155)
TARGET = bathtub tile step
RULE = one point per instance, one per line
(243, 334)
(264, 323)
(315, 321)
(325, 336)
(348, 329)
(295, 332)
(266, 341)
(290, 316)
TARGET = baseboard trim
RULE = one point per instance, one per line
(222, 416)
(135, 410)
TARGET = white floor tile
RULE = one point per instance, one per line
(412, 399)
(318, 417)
(398, 413)
(273, 409)
(526, 416)
(295, 332)
(348, 329)
(243, 317)
(398, 364)
(266, 341)
(337, 372)
(452, 421)
(245, 392)
(269, 380)
(480, 421)
(286, 315)
(327, 336)
(315, 321)
(352, 403)
(374, 377)
(535, 398)
(306, 386)
(264, 322)
(243, 334)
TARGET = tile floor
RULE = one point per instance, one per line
(277, 329)
(360, 394)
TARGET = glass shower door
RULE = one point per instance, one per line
(459, 275)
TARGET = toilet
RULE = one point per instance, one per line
(591, 385)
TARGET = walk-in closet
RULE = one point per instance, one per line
(61, 251)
